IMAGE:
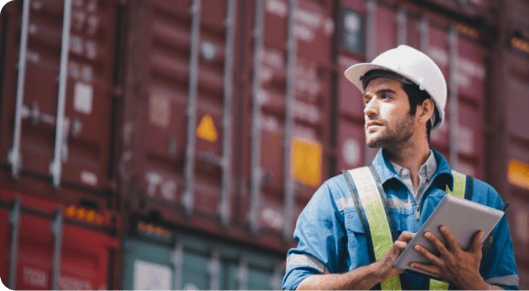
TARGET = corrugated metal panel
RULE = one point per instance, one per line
(184, 182)
(88, 67)
(291, 114)
(55, 237)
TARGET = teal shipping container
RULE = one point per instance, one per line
(157, 259)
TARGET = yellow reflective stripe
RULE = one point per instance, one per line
(459, 191)
(438, 285)
(459, 185)
(376, 218)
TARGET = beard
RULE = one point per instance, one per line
(392, 135)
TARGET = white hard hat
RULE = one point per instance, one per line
(412, 65)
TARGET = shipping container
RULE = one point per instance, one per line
(59, 93)
(47, 245)
(207, 156)
(156, 258)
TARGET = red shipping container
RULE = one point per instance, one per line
(65, 87)
(78, 243)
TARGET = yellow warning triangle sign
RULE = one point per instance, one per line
(206, 129)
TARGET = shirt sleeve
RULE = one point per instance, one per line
(498, 266)
(321, 239)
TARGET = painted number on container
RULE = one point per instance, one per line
(519, 174)
(306, 161)
(206, 129)
(150, 276)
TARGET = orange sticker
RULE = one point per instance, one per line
(206, 129)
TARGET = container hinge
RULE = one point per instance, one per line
(56, 230)
(14, 156)
(15, 224)
(60, 140)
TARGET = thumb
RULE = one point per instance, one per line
(476, 247)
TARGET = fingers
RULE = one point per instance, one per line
(431, 257)
(434, 270)
(437, 244)
(406, 236)
(450, 239)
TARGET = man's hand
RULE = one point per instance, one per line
(454, 265)
(385, 265)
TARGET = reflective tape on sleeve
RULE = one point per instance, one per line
(305, 260)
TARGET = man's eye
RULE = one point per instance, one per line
(384, 96)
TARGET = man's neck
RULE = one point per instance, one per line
(411, 158)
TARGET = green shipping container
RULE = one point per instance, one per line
(189, 262)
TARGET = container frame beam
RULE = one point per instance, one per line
(189, 168)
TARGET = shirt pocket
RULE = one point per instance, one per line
(356, 239)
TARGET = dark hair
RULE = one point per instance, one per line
(416, 97)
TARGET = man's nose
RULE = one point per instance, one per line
(371, 108)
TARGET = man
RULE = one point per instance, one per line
(404, 94)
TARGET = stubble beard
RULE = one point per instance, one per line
(394, 135)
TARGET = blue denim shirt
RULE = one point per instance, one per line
(331, 238)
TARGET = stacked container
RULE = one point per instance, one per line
(172, 144)
(57, 139)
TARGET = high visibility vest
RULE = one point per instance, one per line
(369, 193)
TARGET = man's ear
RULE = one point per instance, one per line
(426, 110)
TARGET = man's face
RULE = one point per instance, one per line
(386, 112)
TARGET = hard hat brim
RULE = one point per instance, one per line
(355, 73)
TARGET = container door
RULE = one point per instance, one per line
(64, 87)
(184, 158)
(286, 112)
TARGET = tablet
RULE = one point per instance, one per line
(463, 218)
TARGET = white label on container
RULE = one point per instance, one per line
(151, 276)
(276, 7)
(70, 283)
(35, 277)
(351, 152)
(89, 178)
(83, 96)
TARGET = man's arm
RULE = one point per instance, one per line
(363, 278)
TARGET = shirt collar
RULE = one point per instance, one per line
(426, 170)
(386, 171)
